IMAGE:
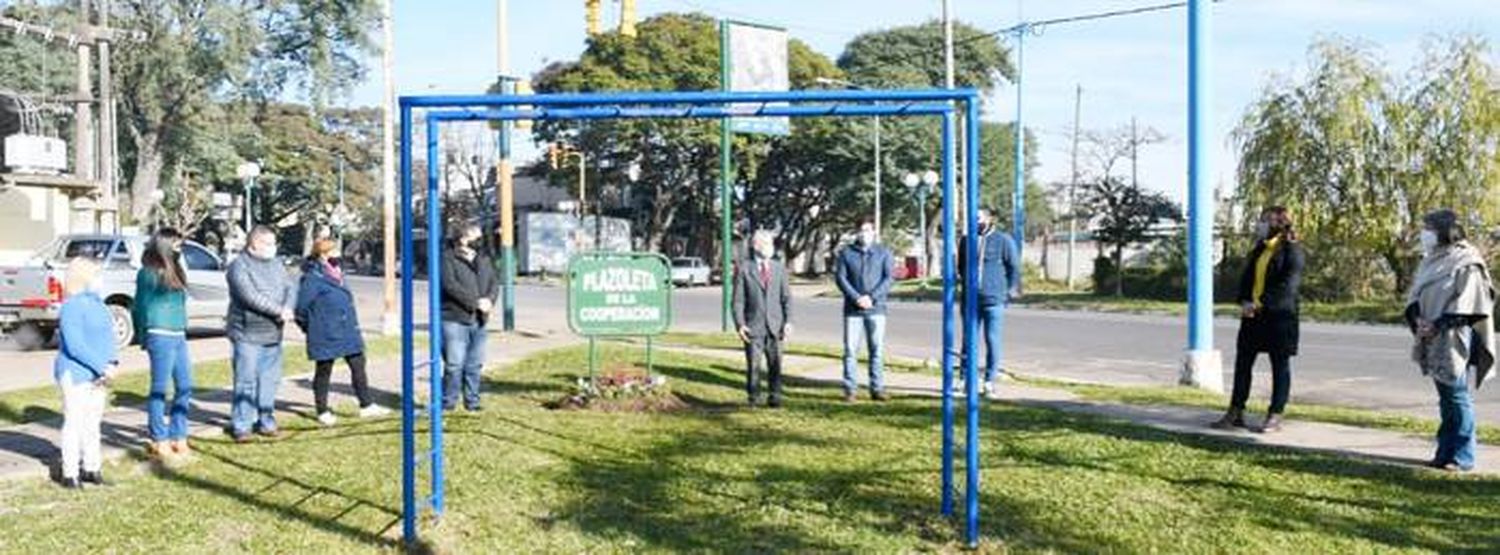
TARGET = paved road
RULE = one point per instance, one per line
(1356, 365)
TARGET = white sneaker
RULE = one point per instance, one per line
(986, 389)
(328, 419)
(373, 411)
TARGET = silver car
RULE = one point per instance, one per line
(31, 294)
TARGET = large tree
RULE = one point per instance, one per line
(1121, 211)
(199, 54)
(1359, 154)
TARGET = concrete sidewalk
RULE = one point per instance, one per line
(30, 450)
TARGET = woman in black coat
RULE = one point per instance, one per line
(326, 314)
(1269, 314)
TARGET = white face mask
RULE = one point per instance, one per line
(763, 251)
(96, 285)
(1429, 240)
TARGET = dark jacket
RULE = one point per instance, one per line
(765, 310)
(1275, 328)
(326, 314)
(464, 283)
(999, 267)
(864, 270)
(259, 291)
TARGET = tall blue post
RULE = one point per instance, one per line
(408, 381)
(1203, 367)
(971, 320)
(1018, 196)
(948, 286)
(434, 312)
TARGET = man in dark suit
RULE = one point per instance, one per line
(763, 316)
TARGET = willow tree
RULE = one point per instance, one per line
(1359, 154)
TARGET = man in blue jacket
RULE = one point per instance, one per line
(863, 271)
(999, 283)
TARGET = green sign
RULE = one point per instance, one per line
(619, 294)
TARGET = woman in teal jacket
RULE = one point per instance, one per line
(160, 314)
(86, 360)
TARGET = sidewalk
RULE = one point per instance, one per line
(30, 450)
(1352, 441)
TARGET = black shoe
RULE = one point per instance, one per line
(879, 396)
(71, 483)
(774, 403)
(1233, 418)
(95, 478)
(754, 402)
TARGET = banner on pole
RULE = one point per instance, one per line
(755, 60)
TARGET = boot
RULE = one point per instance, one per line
(1233, 418)
(95, 478)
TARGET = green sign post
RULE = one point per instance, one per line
(619, 295)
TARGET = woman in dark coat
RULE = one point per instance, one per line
(326, 314)
(1269, 314)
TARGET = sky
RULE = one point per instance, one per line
(1132, 66)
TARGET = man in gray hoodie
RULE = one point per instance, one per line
(261, 299)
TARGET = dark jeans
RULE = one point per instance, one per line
(323, 373)
(1281, 380)
(767, 349)
(463, 360)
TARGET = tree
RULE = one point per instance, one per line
(1359, 154)
(912, 56)
(678, 159)
(200, 54)
(1122, 213)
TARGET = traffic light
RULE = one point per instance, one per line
(553, 151)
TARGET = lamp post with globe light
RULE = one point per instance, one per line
(921, 185)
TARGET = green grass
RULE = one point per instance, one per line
(1184, 396)
(818, 476)
(23, 406)
(1051, 297)
(729, 341)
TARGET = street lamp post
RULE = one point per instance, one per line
(922, 185)
(248, 172)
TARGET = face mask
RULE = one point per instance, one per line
(1429, 240)
(866, 237)
(1262, 230)
(97, 285)
(763, 251)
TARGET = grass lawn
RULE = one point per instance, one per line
(817, 476)
(1051, 297)
(34, 404)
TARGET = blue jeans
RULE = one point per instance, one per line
(169, 363)
(870, 330)
(992, 319)
(1455, 436)
(463, 358)
(257, 375)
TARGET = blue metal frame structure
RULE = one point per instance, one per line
(944, 104)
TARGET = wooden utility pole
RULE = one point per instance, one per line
(109, 211)
(1073, 185)
(390, 321)
(83, 110)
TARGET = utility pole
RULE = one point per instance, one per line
(1073, 184)
(84, 162)
(390, 321)
(109, 220)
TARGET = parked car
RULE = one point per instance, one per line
(31, 294)
(690, 271)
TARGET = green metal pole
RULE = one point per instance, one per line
(726, 170)
(593, 361)
(648, 356)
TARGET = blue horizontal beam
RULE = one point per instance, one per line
(706, 97)
(617, 112)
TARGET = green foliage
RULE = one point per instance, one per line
(1359, 153)
(912, 56)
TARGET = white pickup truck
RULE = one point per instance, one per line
(31, 294)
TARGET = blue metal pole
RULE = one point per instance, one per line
(1018, 196)
(948, 286)
(971, 321)
(434, 313)
(697, 97)
(408, 381)
(1200, 195)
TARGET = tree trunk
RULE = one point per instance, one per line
(1119, 270)
(149, 163)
